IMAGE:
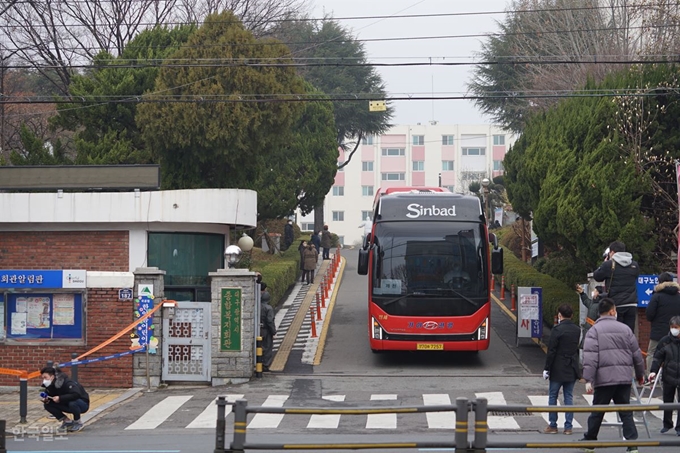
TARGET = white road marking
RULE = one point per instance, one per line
(382, 421)
(159, 412)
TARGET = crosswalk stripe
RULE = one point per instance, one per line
(439, 420)
(160, 412)
(382, 421)
(657, 414)
(328, 421)
(208, 418)
(542, 400)
(498, 421)
(269, 420)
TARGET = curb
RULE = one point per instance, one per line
(329, 312)
(129, 394)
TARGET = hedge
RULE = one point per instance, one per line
(280, 272)
(555, 292)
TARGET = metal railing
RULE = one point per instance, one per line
(460, 441)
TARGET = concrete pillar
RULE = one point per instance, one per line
(232, 363)
(156, 277)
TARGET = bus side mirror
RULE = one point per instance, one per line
(362, 265)
(497, 261)
(493, 239)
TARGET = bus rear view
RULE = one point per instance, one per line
(428, 264)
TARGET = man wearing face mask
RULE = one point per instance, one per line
(64, 396)
(668, 356)
(664, 304)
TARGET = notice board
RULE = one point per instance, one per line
(529, 312)
(43, 316)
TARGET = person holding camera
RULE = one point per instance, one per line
(64, 395)
(619, 272)
(591, 305)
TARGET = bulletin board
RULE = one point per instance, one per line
(44, 316)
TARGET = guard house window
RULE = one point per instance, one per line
(391, 152)
(367, 166)
(186, 258)
(307, 226)
(418, 140)
(368, 140)
(338, 191)
(393, 176)
(499, 139)
(366, 191)
(447, 165)
(338, 216)
(498, 165)
(447, 140)
(366, 215)
(474, 151)
(418, 165)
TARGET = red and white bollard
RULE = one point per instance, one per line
(311, 315)
(513, 301)
(503, 287)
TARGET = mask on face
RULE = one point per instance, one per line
(675, 331)
(47, 382)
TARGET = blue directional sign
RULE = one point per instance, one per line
(645, 288)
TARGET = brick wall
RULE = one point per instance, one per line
(90, 250)
(105, 316)
(644, 328)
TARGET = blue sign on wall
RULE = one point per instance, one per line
(35, 278)
(645, 288)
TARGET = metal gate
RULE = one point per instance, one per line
(186, 343)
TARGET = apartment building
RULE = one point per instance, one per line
(428, 154)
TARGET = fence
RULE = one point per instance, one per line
(460, 441)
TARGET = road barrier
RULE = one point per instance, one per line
(461, 443)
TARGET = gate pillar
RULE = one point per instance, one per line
(233, 325)
(145, 276)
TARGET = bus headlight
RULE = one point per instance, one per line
(377, 330)
(483, 330)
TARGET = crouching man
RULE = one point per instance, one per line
(64, 396)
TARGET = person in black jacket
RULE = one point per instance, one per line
(267, 330)
(61, 395)
(668, 356)
(664, 304)
(619, 273)
(288, 235)
(561, 366)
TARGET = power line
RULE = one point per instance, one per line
(260, 99)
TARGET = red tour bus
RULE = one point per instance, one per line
(429, 265)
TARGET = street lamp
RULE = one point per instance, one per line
(231, 255)
(245, 243)
(485, 185)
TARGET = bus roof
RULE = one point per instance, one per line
(406, 189)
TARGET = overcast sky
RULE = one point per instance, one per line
(449, 81)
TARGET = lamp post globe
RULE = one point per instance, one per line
(231, 255)
(245, 243)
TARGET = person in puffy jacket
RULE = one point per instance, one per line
(668, 356)
(610, 352)
(619, 273)
(664, 304)
(310, 256)
(267, 329)
(63, 395)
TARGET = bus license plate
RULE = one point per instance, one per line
(430, 346)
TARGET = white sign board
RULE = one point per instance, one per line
(529, 312)
(145, 289)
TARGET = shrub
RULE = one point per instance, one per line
(555, 292)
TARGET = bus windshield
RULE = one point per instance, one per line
(429, 268)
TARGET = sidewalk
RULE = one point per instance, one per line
(38, 423)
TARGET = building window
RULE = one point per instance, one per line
(341, 168)
(498, 165)
(499, 139)
(367, 191)
(418, 140)
(338, 216)
(450, 188)
(393, 176)
(393, 151)
(447, 140)
(470, 176)
(338, 191)
(341, 241)
(307, 226)
(368, 140)
(366, 215)
(447, 165)
(418, 165)
(367, 166)
(474, 151)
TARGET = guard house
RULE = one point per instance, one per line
(78, 243)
